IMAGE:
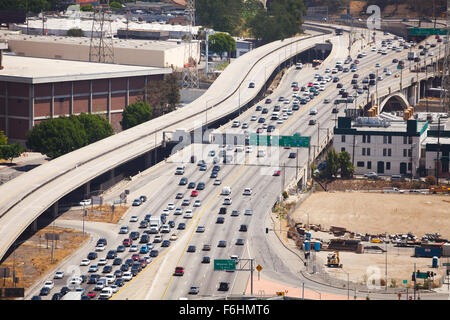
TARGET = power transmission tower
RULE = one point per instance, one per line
(101, 47)
(190, 68)
(445, 82)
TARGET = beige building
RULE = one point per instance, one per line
(148, 53)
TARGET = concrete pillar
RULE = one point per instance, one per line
(54, 209)
(90, 97)
(52, 101)
(6, 109)
(148, 159)
(31, 106)
(33, 226)
(112, 173)
(108, 104)
(87, 190)
(71, 98)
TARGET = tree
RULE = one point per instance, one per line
(136, 113)
(172, 90)
(162, 95)
(11, 151)
(95, 126)
(221, 15)
(87, 8)
(222, 42)
(332, 166)
(3, 138)
(55, 137)
(345, 164)
(115, 5)
(75, 32)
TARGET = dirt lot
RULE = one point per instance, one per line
(376, 213)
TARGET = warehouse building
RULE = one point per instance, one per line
(35, 89)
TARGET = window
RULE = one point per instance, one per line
(364, 138)
(384, 152)
(405, 152)
(409, 166)
(363, 151)
(385, 140)
(409, 153)
(368, 151)
(405, 140)
(369, 164)
(389, 152)
(342, 149)
(388, 165)
(409, 140)
(343, 138)
(390, 139)
(368, 139)
(360, 164)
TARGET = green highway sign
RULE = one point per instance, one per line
(427, 31)
(421, 275)
(446, 264)
(224, 264)
(281, 141)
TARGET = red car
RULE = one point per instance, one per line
(127, 242)
(276, 173)
(194, 193)
(179, 271)
(295, 89)
(310, 84)
(135, 257)
(92, 294)
(143, 262)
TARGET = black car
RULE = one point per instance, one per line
(292, 155)
(339, 85)
(191, 185)
(335, 110)
(224, 286)
(243, 228)
(206, 259)
(111, 254)
(183, 181)
(171, 223)
(129, 262)
(36, 298)
(258, 108)
(191, 248)
(107, 269)
(222, 244)
(270, 128)
(268, 101)
(240, 242)
(213, 175)
(120, 248)
(92, 255)
(265, 110)
(143, 198)
(181, 226)
(117, 261)
(91, 280)
(44, 291)
(124, 267)
(261, 120)
(165, 243)
(118, 273)
(102, 241)
(276, 108)
(119, 282)
(64, 290)
(201, 186)
(145, 238)
(220, 220)
(222, 210)
(394, 60)
(154, 253)
(57, 296)
(143, 224)
(134, 235)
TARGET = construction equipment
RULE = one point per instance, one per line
(333, 260)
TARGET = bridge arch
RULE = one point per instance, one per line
(397, 102)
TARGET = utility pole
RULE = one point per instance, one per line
(438, 150)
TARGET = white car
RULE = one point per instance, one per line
(59, 275)
(253, 118)
(85, 262)
(100, 247)
(75, 281)
(197, 203)
(217, 182)
(280, 121)
(110, 278)
(248, 212)
(85, 202)
(102, 262)
(114, 288)
(133, 248)
(49, 284)
(178, 211)
(227, 201)
(158, 238)
(188, 214)
(173, 237)
(166, 211)
(247, 192)
(170, 206)
(127, 276)
(93, 268)
(134, 219)
(248, 149)
(313, 111)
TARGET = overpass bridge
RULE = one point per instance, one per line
(27, 197)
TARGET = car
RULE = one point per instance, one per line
(179, 271)
(371, 175)
(36, 298)
(197, 203)
(227, 201)
(173, 237)
(224, 286)
(144, 249)
(111, 254)
(186, 202)
(100, 247)
(194, 193)
(44, 291)
(102, 262)
(247, 192)
(188, 214)
(213, 175)
(133, 219)
(143, 224)
(220, 220)
(292, 155)
(60, 274)
(240, 242)
(136, 202)
(49, 284)
(127, 276)
(253, 118)
(217, 182)
(93, 268)
(243, 228)
(268, 100)
(200, 229)
(193, 290)
(133, 248)
(248, 212)
(92, 255)
(181, 226)
(235, 213)
(394, 60)
(222, 244)
(107, 269)
(154, 253)
(165, 243)
(312, 122)
(191, 248)
(127, 242)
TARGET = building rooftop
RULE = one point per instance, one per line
(41, 70)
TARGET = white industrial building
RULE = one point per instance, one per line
(383, 146)
(148, 53)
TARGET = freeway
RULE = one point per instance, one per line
(248, 171)
(32, 193)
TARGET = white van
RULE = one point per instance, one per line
(226, 191)
(106, 293)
